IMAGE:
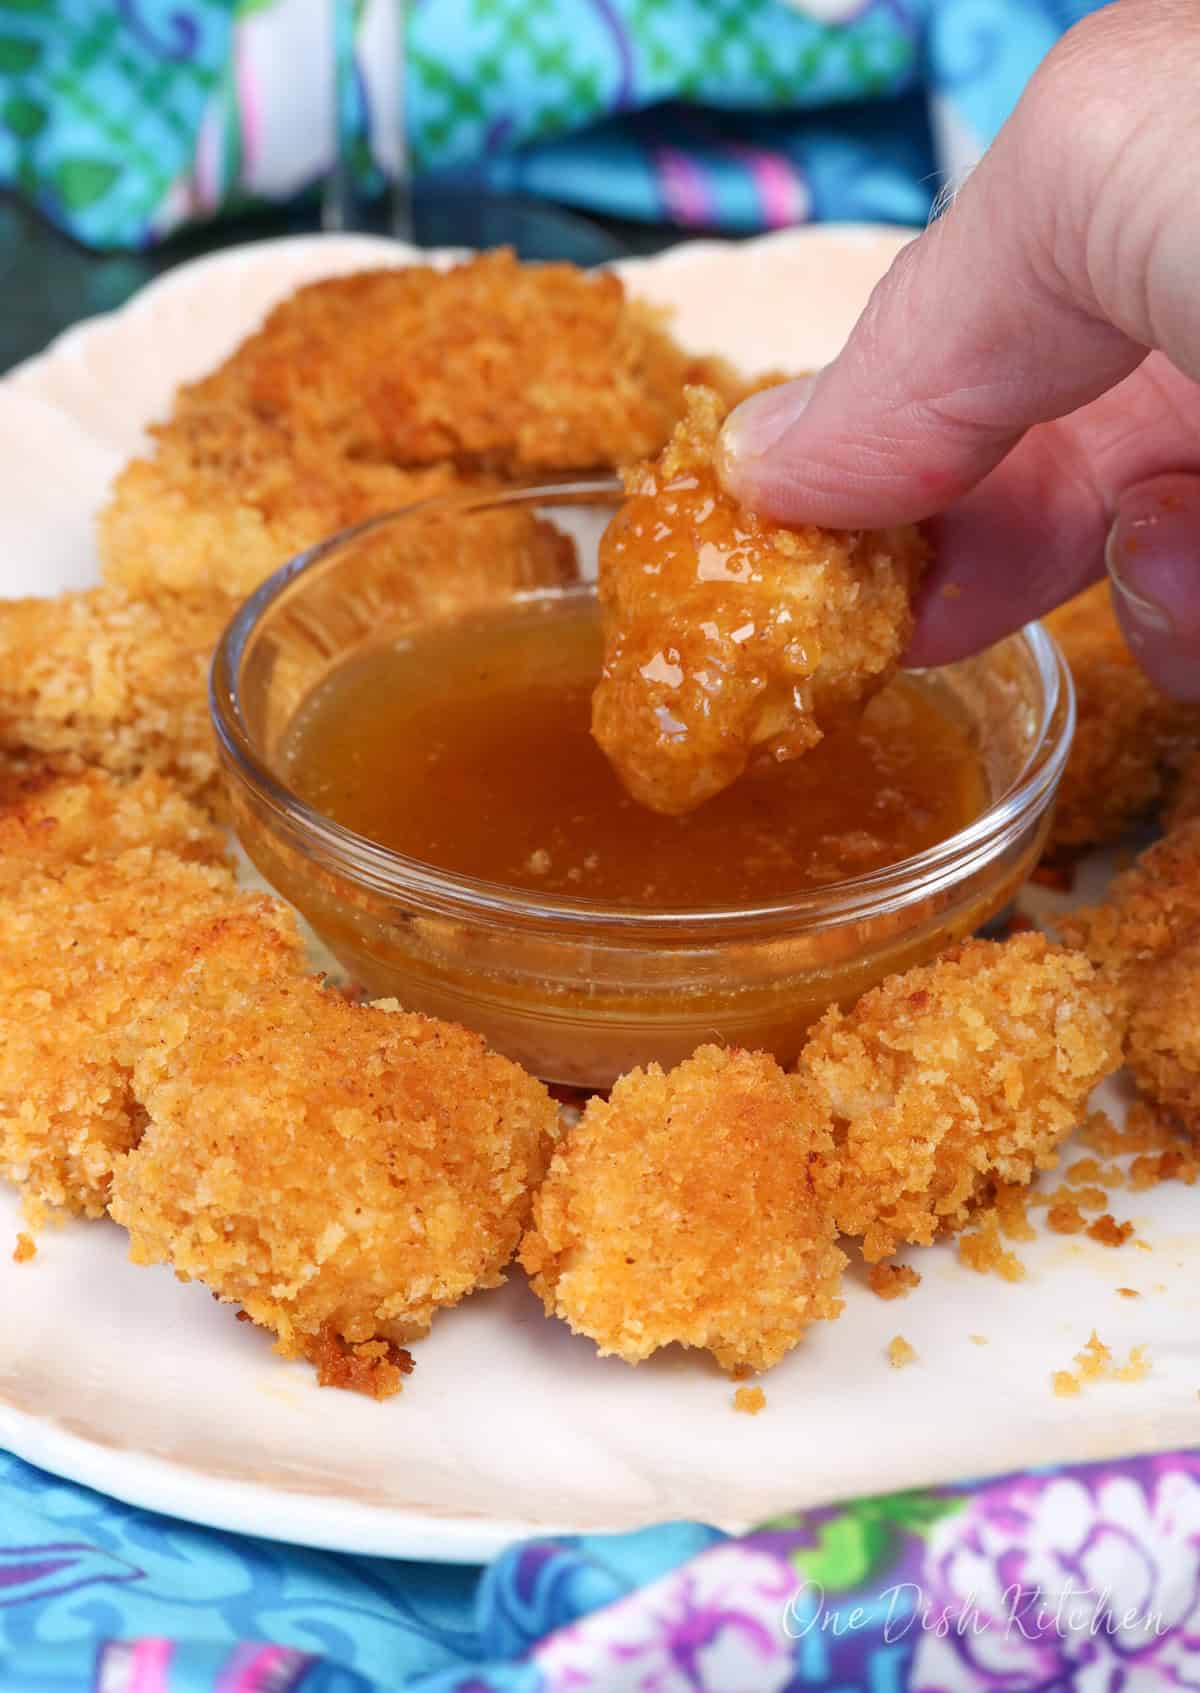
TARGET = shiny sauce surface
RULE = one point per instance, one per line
(469, 749)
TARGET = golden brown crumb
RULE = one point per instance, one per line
(1066, 1219)
(77, 952)
(1108, 1232)
(362, 394)
(398, 1154)
(900, 1353)
(25, 1249)
(1095, 1363)
(1130, 739)
(727, 636)
(1009, 1203)
(980, 1248)
(978, 1339)
(751, 1400)
(1138, 1367)
(683, 1209)
(954, 1076)
(892, 1281)
(101, 678)
(1129, 1293)
(1146, 935)
(375, 1368)
(1095, 1359)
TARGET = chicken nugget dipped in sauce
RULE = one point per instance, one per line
(728, 637)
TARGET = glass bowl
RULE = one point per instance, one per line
(575, 990)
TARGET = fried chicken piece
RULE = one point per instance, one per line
(1130, 738)
(48, 823)
(362, 394)
(102, 678)
(335, 1169)
(683, 1210)
(1185, 800)
(727, 636)
(954, 1076)
(77, 952)
(1146, 936)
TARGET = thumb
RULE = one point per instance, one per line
(1153, 557)
(1067, 254)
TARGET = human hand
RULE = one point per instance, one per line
(1029, 368)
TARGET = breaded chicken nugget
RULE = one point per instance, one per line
(957, 1074)
(727, 636)
(1146, 936)
(77, 953)
(102, 678)
(337, 1170)
(1130, 739)
(362, 394)
(48, 823)
(1185, 800)
(682, 1210)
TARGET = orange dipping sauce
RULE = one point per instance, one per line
(469, 749)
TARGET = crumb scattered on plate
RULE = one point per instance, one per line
(25, 1249)
(751, 1400)
(900, 1353)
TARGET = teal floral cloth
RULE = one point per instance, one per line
(1084, 1580)
(123, 120)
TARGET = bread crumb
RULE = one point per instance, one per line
(1094, 1360)
(900, 1353)
(1109, 1232)
(25, 1249)
(375, 1368)
(1129, 1293)
(1095, 1363)
(1065, 1219)
(1009, 1205)
(981, 1249)
(978, 1339)
(1138, 1366)
(892, 1281)
(750, 1400)
(1143, 1246)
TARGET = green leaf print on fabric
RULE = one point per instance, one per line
(17, 54)
(81, 182)
(862, 1540)
(23, 117)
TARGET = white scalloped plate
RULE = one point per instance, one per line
(127, 1380)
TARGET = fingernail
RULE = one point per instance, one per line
(1152, 555)
(754, 427)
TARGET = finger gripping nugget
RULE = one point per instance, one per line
(953, 1076)
(682, 1209)
(335, 1169)
(727, 636)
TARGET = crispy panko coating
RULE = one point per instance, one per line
(683, 1210)
(1185, 800)
(103, 678)
(336, 1169)
(727, 636)
(956, 1075)
(1146, 936)
(1130, 738)
(364, 393)
(78, 951)
(48, 823)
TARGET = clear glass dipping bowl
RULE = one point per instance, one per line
(575, 990)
